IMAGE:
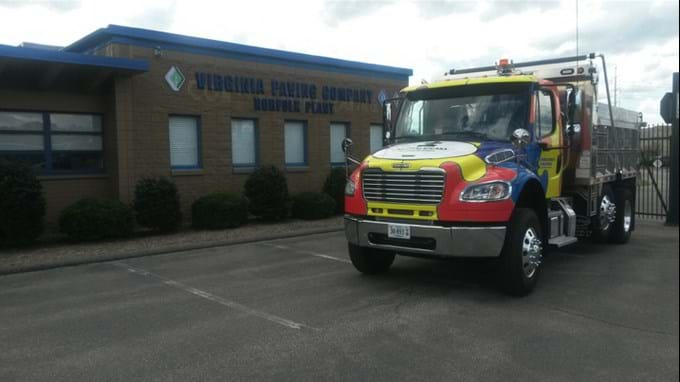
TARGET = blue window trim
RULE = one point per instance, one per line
(348, 130)
(257, 143)
(199, 142)
(305, 141)
(182, 43)
(47, 133)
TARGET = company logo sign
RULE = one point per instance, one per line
(175, 78)
(382, 96)
(284, 96)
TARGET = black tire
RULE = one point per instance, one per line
(517, 281)
(625, 213)
(602, 231)
(370, 261)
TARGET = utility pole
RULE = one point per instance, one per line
(616, 91)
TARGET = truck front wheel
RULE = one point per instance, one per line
(522, 253)
(370, 261)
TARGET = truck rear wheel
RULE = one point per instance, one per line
(522, 253)
(625, 212)
(603, 222)
(370, 261)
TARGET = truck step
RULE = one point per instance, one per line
(561, 241)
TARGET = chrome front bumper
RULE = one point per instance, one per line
(482, 241)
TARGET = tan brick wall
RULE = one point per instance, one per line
(153, 101)
(136, 112)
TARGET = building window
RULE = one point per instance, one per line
(243, 143)
(76, 141)
(53, 143)
(295, 142)
(339, 131)
(376, 137)
(184, 142)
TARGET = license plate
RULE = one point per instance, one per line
(398, 231)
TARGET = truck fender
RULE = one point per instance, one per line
(528, 192)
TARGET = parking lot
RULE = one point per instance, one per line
(295, 309)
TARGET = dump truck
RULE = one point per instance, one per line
(500, 162)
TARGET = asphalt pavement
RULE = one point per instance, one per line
(295, 309)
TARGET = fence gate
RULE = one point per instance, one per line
(654, 180)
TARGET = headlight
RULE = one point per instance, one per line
(486, 192)
(350, 187)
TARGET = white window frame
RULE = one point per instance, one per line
(256, 143)
(198, 164)
(371, 128)
(302, 124)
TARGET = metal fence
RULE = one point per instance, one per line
(653, 184)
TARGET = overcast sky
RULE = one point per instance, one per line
(639, 37)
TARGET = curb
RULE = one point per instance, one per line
(164, 251)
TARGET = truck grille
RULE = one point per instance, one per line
(426, 187)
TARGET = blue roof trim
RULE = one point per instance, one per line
(58, 56)
(151, 38)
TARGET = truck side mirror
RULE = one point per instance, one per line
(574, 104)
(520, 138)
(387, 113)
(390, 112)
(346, 146)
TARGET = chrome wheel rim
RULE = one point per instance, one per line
(627, 216)
(607, 213)
(532, 252)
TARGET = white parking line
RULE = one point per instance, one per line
(304, 252)
(214, 298)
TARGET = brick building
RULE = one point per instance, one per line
(124, 103)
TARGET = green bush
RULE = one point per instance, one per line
(22, 204)
(219, 211)
(335, 187)
(267, 190)
(91, 219)
(157, 204)
(313, 205)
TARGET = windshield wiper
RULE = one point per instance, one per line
(471, 134)
(468, 134)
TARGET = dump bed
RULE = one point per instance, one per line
(613, 148)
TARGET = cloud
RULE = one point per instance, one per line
(639, 24)
(441, 8)
(640, 38)
(498, 8)
(159, 18)
(56, 5)
(339, 11)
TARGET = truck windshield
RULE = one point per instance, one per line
(463, 115)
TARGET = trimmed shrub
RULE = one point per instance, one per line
(219, 211)
(157, 204)
(267, 190)
(22, 204)
(313, 205)
(335, 187)
(92, 219)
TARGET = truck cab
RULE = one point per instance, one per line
(475, 167)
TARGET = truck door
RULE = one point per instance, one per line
(549, 133)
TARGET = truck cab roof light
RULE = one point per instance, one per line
(505, 67)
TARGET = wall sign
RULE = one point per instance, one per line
(283, 96)
(174, 78)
